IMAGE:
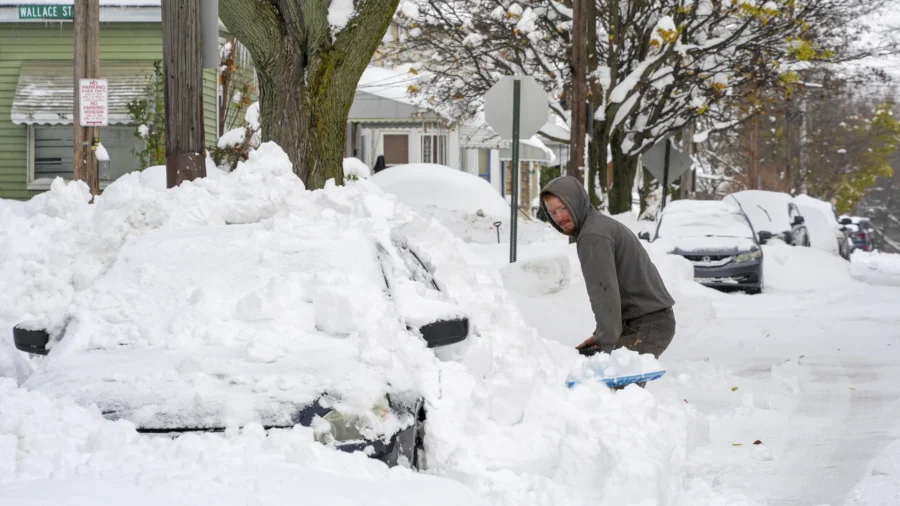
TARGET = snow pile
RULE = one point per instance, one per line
(230, 285)
(875, 268)
(797, 269)
(424, 184)
(354, 167)
(621, 362)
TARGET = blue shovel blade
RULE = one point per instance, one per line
(618, 381)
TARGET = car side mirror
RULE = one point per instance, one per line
(445, 332)
(764, 236)
(846, 221)
(799, 220)
(644, 235)
(31, 341)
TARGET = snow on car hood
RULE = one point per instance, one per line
(707, 245)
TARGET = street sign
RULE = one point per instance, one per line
(667, 163)
(504, 113)
(45, 11)
(654, 160)
(498, 107)
(93, 102)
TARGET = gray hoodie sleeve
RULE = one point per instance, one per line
(598, 260)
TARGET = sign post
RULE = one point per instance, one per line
(504, 113)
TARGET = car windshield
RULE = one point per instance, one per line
(717, 220)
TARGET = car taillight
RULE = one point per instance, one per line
(861, 235)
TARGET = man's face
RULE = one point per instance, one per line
(559, 214)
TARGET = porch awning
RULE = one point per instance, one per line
(45, 90)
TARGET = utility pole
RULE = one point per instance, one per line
(579, 88)
(86, 21)
(688, 178)
(183, 91)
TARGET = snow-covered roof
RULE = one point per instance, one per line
(44, 91)
(388, 83)
(476, 133)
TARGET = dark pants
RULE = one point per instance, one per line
(651, 333)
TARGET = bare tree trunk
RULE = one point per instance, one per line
(183, 90)
(624, 170)
(307, 78)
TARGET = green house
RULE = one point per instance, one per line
(37, 81)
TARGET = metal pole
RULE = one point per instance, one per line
(665, 181)
(514, 209)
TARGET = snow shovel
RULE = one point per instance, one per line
(620, 381)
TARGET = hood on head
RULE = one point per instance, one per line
(572, 193)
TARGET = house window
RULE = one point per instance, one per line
(434, 149)
(396, 149)
(53, 146)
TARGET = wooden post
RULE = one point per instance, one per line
(86, 21)
(579, 88)
(183, 90)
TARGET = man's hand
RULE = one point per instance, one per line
(589, 342)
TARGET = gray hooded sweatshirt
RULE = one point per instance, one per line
(621, 280)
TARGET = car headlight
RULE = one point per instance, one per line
(748, 257)
(337, 427)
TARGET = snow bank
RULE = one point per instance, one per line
(500, 419)
(799, 269)
(875, 268)
(422, 184)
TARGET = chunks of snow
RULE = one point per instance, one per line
(621, 362)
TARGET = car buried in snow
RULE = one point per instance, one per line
(772, 212)
(319, 328)
(717, 238)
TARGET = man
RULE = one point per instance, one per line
(631, 305)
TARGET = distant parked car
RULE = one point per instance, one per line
(862, 233)
(825, 230)
(717, 238)
(773, 212)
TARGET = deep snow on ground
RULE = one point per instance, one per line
(807, 369)
(502, 426)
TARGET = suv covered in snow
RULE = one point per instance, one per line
(196, 330)
(717, 238)
(773, 212)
